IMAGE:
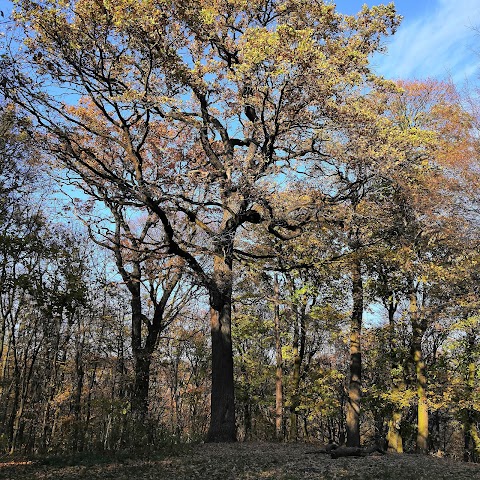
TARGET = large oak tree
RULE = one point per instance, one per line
(196, 110)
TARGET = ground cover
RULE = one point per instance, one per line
(241, 461)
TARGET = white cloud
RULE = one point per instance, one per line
(441, 43)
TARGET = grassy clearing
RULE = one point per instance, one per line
(242, 461)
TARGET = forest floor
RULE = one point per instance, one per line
(242, 461)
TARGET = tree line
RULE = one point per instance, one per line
(171, 166)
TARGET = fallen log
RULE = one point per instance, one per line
(355, 451)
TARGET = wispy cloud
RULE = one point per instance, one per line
(440, 43)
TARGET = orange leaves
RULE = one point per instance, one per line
(435, 106)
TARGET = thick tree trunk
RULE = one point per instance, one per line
(355, 384)
(222, 414)
(139, 400)
(279, 367)
(222, 419)
(418, 329)
(141, 386)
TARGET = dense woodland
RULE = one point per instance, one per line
(219, 224)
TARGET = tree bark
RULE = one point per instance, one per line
(139, 401)
(394, 437)
(143, 351)
(77, 399)
(141, 386)
(279, 366)
(355, 384)
(222, 413)
(471, 447)
(298, 356)
(422, 434)
(292, 436)
(418, 329)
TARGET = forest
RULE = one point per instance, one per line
(219, 224)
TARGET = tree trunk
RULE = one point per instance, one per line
(475, 438)
(16, 415)
(3, 332)
(394, 438)
(418, 328)
(222, 413)
(139, 401)
(422, 434)
(77, 398)
(279, 367)
(471, 451)
(143, 351)
(354, 451)
(292, 436)
(140, 387)
(355, 384)
(298, 356)
(17, 379)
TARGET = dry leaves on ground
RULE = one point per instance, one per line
(252, 461)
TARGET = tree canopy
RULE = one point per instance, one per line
(242, 162)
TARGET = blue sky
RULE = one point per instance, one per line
(437, 39)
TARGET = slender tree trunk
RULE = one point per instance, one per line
(222, 415)
(298, 355)
(279, 366)
(3, 331)
(143, 351)
(88, 407)
(471, 449)
(418, 328)
(355, 384)
(5, 393)
(422, 434)
(292, 436)
(394, 438)
(26, 375)
(16, 424)
(247, 407)
(174, 391)
(305, 428)
(16, 397)
(247, 416)
(45, 426)
(77, 399)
